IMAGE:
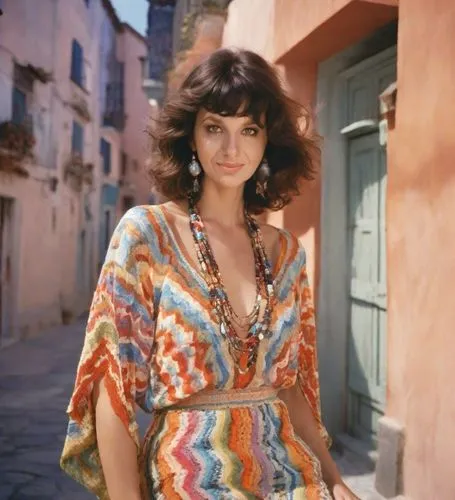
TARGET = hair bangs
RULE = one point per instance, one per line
(234, 82)
(235, 96)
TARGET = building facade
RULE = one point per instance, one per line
(375, 223)
(63, 126)
(160, 22)
(175, 30)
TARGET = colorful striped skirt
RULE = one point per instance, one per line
(218, 448)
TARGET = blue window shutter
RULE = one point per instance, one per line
(105, 150)
(77, 60)
(19, 106)
(77, 140)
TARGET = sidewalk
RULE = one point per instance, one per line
(36, 380)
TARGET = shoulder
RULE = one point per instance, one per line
(141, 221)
(280, 238)
(140, 230)
(272, 237)
(270, 233)
(284, 249)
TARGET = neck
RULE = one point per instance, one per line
(223, 206)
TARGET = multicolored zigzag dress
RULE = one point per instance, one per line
(215, 433)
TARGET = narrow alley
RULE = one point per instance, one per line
(36, 379)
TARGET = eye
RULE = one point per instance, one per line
(251, 131)
(213, 129)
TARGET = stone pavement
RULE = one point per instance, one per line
(36, 380)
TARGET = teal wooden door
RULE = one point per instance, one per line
(367, 182)
(368, 292)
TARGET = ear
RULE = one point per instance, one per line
(192, 145)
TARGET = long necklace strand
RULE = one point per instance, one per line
(243, 351)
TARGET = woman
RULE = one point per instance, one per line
(203, 317)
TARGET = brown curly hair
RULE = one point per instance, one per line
(234, 83)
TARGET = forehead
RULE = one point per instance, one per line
(240, 119)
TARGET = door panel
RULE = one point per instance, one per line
(367, 184)
(368, 298)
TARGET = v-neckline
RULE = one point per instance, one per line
(193, 268)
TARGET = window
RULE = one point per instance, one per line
(107, 229)
(22, 95)
(19, 106)
(77, 63)
(88, 76)
(105, 151)
(128, 202)
(114, 113)
(77, 139)
(124, 163)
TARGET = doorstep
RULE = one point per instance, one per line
(359, 450)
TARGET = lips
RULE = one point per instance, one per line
(231, 166)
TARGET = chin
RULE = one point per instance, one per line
(231, 182)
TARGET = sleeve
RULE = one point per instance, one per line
(307, 376)
(118, 345)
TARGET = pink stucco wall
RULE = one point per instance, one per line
(421, 243)
(44, 260)
(135, 140)
(47, 252)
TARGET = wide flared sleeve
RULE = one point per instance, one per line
(308, 376)
(118, 344)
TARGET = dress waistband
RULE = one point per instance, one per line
(230, 398)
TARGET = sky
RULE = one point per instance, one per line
(133, 12)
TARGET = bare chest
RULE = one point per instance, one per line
(233, 254)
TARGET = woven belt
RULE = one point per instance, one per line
(230, 398)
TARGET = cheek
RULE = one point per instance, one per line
(207, 145)
(256, 149)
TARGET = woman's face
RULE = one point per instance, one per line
(229, 148)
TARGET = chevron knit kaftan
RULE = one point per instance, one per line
(153, 335)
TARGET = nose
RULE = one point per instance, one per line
(230, 145)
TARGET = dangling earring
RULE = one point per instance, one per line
(195, 170)
(262, 176)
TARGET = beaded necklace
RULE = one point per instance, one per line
(243, 351)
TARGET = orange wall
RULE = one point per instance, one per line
(303, 216)
(421, 248)
(261, 39)
(315, 30)
(296, 34)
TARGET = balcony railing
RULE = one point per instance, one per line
(115, 119)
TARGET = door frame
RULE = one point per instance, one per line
(333, 299)
(14, 270)
(374, 65)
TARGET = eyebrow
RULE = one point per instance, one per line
(215, 119)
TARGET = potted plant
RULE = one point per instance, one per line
(77, 172)
(16, 145)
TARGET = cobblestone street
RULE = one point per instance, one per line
(36, 379)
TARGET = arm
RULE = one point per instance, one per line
(117, 449)
(102, 447)
(303, 399)
(308, 430)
